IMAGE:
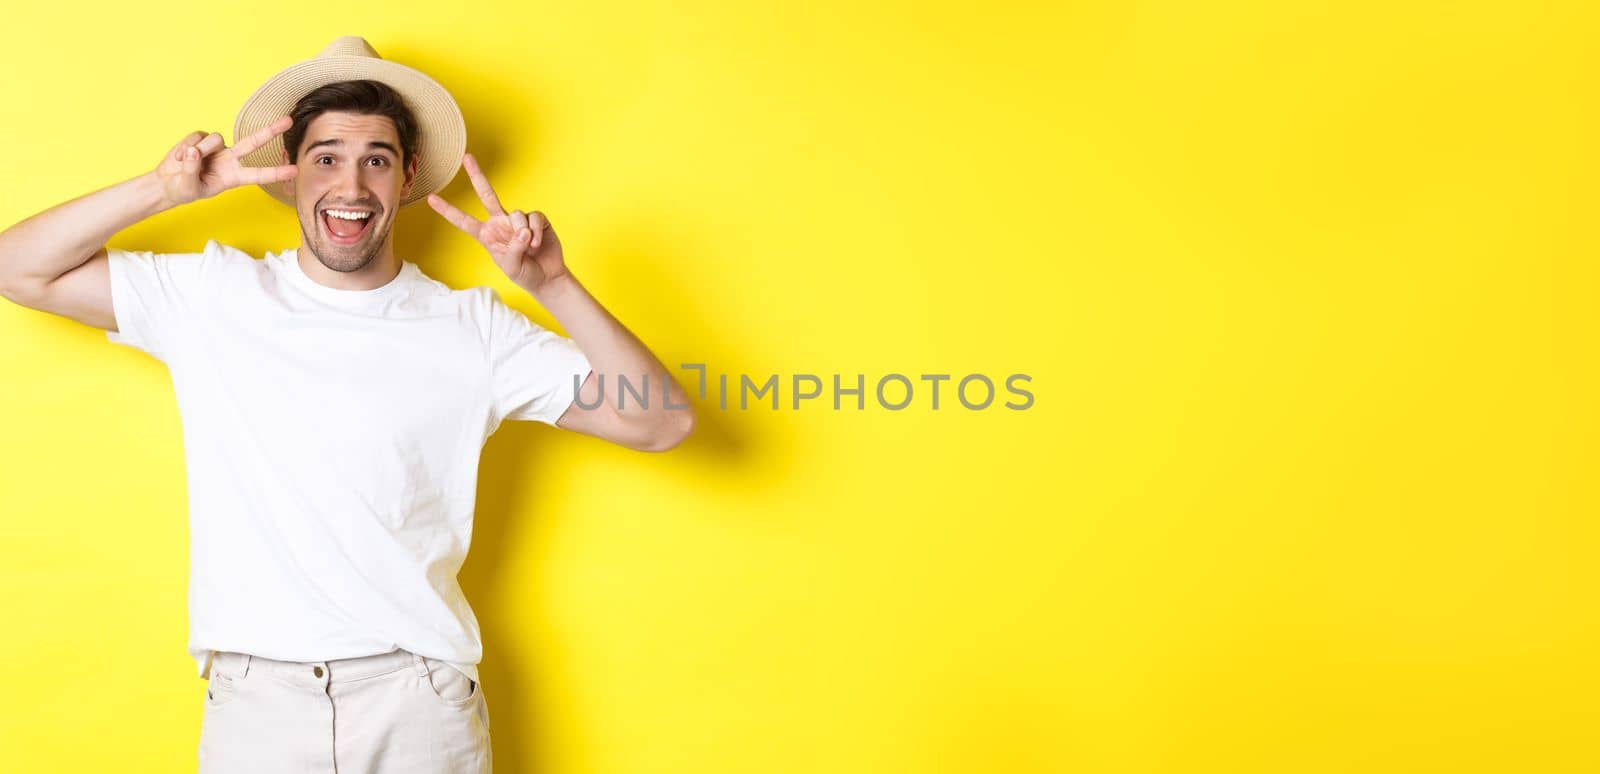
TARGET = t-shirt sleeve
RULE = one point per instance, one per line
(154, 295)
(533, 372)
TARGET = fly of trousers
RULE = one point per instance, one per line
(391, 713)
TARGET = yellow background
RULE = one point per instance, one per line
(1306, 292)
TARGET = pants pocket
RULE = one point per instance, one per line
(450, 686)
(220, 689)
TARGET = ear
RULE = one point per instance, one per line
(411, 177)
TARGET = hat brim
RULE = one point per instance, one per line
(441, 131)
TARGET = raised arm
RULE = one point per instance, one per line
(56, 260)
(525, 247)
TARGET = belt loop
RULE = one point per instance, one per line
(421, 665)
(245, 669)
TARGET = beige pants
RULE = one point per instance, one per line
(385, 714)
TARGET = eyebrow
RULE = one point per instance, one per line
(371, 144)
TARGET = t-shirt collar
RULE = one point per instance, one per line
(289, 261)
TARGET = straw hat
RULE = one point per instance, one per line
(441, 132)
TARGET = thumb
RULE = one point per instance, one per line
(191, 161)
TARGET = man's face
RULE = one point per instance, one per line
(350, 164)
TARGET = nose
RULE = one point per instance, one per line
(348, 185)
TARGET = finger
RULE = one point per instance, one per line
(520, 242)
(188, 140)
(265, 175)
(191, 161)
(481, 185)
(453, 214)
(538, 223)
(210, 144)
(260, 137)
(523, 222)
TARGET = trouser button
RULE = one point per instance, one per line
(316, 671)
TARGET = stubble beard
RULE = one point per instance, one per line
(343, 258)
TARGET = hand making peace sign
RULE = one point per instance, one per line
(199, 166)
(524, 246)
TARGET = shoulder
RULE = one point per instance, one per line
(218, 251)
(498, 323)
(213, 251)
(491, 311)
(175, 270)
(472, 307)
(477, 303)
(465, 301)
(481, 304)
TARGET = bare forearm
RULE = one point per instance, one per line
(615, 352)
(58, 240)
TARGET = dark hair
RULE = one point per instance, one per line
(364, 97)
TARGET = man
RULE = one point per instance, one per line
(334, 401)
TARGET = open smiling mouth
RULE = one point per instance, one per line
(346, 227)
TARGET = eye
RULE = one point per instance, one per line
(320, 158)
(382, 161)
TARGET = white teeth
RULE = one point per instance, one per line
(347, 215)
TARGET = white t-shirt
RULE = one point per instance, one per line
(332, 441)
